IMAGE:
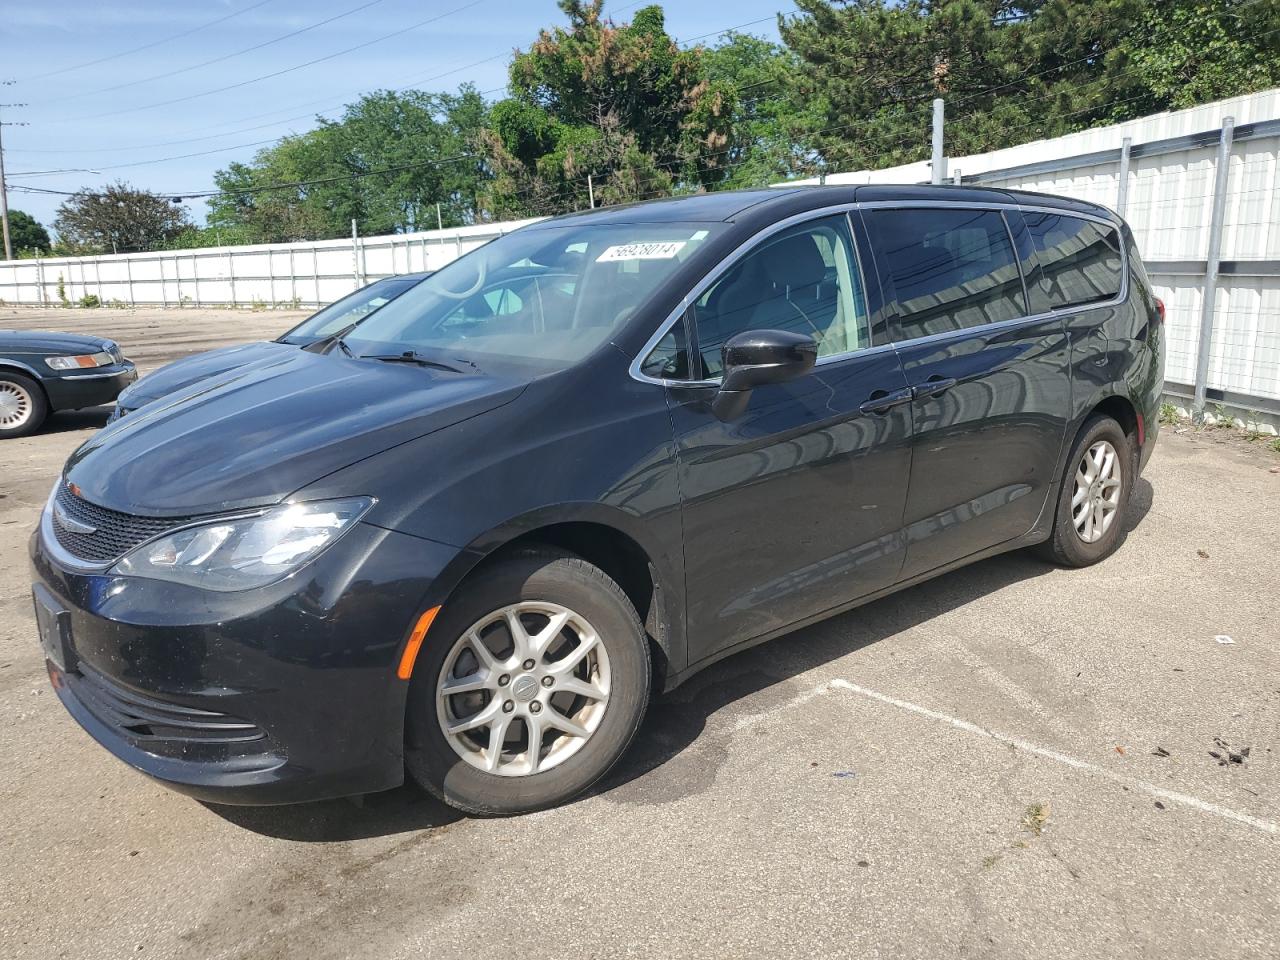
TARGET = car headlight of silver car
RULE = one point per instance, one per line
(238, 553)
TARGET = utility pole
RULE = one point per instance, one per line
(591, 192)
(4, 189)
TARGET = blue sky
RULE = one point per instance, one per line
(75, 121)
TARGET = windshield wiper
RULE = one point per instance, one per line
(411, 356)
(322, 345)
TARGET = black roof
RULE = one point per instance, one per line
(721, 205)
(731, 205)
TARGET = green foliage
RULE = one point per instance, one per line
(1014, 70)
(62, 292)
(116, 219)
(1188, 52)
(767, 121)
(416, 137)
(193, 237)
(623, 104)
(27, 236)
(1168, 413)
(850, 87)
(89, 300)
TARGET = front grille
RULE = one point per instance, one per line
(144, 718)
(115, 533)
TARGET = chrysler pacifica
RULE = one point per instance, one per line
(469, 538)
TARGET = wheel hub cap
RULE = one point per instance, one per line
(523, 689)
(15, 405)
(1095, 496)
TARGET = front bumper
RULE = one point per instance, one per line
(282, 694)
(76, 390)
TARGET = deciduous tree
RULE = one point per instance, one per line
(27, 236)
(622, 103)
(118, 218)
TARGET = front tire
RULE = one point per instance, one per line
(1094, 499)
(23, 406)
(532, 683)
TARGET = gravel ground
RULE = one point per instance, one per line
(966, 769)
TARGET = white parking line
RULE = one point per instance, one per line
(1266, 826)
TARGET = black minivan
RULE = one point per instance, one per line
(472, 536)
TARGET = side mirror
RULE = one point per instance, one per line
(756, 358)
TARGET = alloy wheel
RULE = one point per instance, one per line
(15, 405)
(523, 689)
(1095, 497)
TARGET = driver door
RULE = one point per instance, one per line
(795, 507)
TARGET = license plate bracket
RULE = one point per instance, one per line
(54, 624)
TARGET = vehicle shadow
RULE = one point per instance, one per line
(676, 720)
(402, 810)
(67, 421)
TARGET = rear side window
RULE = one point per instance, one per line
(951, 268)
(1079, 261)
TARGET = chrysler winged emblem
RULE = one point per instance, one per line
(69, 523)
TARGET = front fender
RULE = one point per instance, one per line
(667, 626)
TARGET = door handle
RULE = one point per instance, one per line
(882, 401)
(932, 387)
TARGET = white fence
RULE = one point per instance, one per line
(1159, 172)
(310, 273)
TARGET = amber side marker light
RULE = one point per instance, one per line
(415, 643)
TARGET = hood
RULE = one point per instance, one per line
(182, 373)
(46, 343)
(254, 435)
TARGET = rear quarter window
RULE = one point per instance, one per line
(951, 268)
(1080, 261)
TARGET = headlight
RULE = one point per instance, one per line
(237, 554)
(86, 360)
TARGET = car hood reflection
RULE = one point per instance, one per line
(254, 435)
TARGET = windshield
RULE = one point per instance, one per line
(350, 309)
(543, 297)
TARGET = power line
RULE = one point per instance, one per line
(310, 115)
(412, 82)
(143, 163)
(275, 73)
(153, 43)
(824, 130)
(228, 56)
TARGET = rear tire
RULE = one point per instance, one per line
(23, 406)
(559, 680)
(1094, 500)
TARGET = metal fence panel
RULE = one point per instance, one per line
(308, 273)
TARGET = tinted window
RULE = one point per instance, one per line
(348, 310)
(804, 279)
(951, 269)
(1079, 260)
(669, 360)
